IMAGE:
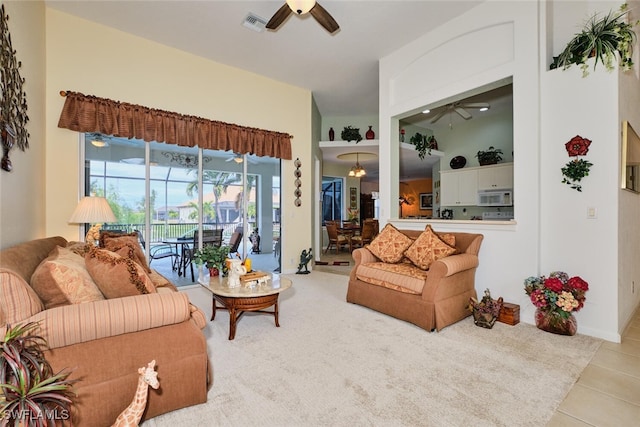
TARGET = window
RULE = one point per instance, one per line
(332, 196)
(117, 171)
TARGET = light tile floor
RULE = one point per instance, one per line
(608, 391)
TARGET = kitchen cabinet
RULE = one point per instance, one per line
(498, 177)
(459, 187)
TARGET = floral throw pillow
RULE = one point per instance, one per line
(427, 248)
(117, 276)
(390, 244)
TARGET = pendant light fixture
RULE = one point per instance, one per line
(357, 170)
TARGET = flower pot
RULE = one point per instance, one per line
(484, 320)
(551, 321)
(214, 272)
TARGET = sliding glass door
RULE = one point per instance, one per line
(167, 192)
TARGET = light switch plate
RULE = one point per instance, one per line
(592, 213)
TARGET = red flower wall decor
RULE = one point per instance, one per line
(576, 169)
(578, 146)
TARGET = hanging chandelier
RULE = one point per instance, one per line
(357, 170)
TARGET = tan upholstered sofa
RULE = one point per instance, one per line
(432, 298)
(105, 341)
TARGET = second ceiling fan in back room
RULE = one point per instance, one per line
(460, 108)
(300, 7)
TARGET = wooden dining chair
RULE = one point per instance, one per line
(366, 235)
(337, 239)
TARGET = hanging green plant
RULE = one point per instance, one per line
(601, 38)
(351, 134)
(423, 144)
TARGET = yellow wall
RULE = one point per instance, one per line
(96, 60)
(22, 204)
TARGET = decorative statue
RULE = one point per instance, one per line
(305, 257)
(93, 235)
(131, 416)
(236, 269)
(254, 238)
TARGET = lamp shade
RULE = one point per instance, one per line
(92, 210)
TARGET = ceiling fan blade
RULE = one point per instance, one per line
(439, 115)
(278, 18)
(324, 18)
(475, 105)
(463, 113)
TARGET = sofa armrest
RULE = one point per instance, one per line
(445, 267)
(363, 255)
(72, 324)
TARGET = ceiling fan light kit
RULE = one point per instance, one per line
(98, 141)
(301, 7)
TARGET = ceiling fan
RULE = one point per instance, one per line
(300, 7)
(237, 157)
(461, 109)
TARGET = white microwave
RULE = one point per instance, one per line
(495, 198)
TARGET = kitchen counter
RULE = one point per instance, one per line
(470, 224)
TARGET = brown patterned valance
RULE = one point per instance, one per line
(87, 113)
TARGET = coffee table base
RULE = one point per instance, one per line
(237, 306)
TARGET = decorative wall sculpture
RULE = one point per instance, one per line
(298, 183)
(13, 107)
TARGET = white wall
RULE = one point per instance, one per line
(569, 240)
(22, 200)
(490, 43)
(96, 60)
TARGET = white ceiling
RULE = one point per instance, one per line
(340, 69)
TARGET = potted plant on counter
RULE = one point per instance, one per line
(490, 156)
(213, 257)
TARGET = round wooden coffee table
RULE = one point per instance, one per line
(238, 301)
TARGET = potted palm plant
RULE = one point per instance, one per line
(213, 257)
(30, 393)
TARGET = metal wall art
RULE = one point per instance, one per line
(298, 183)
(13, 107)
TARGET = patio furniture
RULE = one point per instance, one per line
(160, 251)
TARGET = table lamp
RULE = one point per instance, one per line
(92, 210)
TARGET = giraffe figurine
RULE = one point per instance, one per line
(131, 416)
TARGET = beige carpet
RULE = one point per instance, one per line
(332, 363)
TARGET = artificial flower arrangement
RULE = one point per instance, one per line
(556, 298)
(353, 214)
(486, 311)
(576, 169)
